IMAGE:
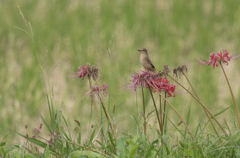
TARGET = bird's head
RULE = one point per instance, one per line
(143, 50)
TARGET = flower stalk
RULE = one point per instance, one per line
(160, 111)
(200, 103)
(95, 107)
(203, 108)
(158, 118)
(90, 72)
(145, 79)
(164, 111)
(236, 109)
(107, 114)
(175, 111)
(144, 115)
(222, 57)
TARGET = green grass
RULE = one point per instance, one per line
(108, 34)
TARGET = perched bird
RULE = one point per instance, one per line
(144, 59)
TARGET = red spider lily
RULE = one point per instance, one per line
(223, 56)
(90, 71)
(97, 90)
(212, 60)
(82, 72)
(149, 80)
(139, 79)
(220, 57)
(171, 90)
(162, 84)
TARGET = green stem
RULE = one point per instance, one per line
(231, 94)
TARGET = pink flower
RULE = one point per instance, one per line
(90, 71)
(223, 56)
(139, 79)
(81, 72)
(151, 81)
(162, 84)
(97, 90)
(36, 132)
(220, 57)
(212, 60)
(171, 90)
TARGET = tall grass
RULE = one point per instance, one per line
(67, 34)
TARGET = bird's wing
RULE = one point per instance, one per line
(149, 61)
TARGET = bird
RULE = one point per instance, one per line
(145, 61)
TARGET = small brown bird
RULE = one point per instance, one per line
(144, 59)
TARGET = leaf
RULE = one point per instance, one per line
(132, 148)
(188, 115)
(197, 130)
(88, 154)
(47, 151)
(59, 114)
(220, 112)
(9, 150)
(101, 144)
(67, 147)
(188, 152)
(200, 150)
(3, 151)
(65, 134)
(45, 123)
(167, 150)
(144, 144)
(149, 151)
(67, 127)
(155, 141)
(176, 127)
(29, 156)
(2, 143)
(187, 122)
(135, 139)
(91, 138)
(238, 153)
(16, 154)
(121, 147)
(79, 138)
(35, 141)
(111, 140)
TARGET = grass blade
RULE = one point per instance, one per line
(45, 123)
(176, 127)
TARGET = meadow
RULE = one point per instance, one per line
(36, 59)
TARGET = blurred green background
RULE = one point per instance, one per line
(68, 34)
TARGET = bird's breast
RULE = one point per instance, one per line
(141, 59)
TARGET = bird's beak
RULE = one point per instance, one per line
(139, 50)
